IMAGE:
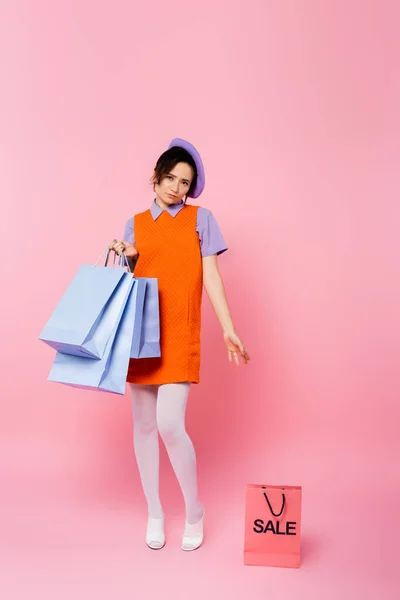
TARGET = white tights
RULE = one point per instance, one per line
(161, 409)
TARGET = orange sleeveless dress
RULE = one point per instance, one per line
(169, 249)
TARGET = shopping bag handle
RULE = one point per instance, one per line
(270, 507)
(122, 262)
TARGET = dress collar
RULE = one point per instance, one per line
(173, 209)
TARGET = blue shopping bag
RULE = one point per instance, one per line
(109, 372)
(146, 339)
(83, 320)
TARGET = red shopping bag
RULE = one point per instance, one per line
(272, 526)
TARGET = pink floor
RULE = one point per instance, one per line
(73, 517)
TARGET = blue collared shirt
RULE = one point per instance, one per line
(210, 236)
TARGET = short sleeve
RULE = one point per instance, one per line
(211, 239)
(129, 235)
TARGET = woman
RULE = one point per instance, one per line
(178, 244)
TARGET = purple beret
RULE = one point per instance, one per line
(201, 180)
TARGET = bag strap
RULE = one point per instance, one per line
(270, 507)
(123, 261)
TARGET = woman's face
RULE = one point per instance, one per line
(175, 184)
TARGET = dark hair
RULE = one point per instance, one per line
(168, 160)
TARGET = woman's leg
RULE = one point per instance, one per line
(145, 439)
(171, 409)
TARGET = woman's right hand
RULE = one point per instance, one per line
(126, 247)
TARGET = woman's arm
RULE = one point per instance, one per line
(215, 289)
(130, 252)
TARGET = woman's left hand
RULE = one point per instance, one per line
(235, 348)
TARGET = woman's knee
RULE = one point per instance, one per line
(145, 427)
(170, 431)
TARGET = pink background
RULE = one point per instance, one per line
(294, 106)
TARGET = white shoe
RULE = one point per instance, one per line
(155, 536)
(193, 535)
